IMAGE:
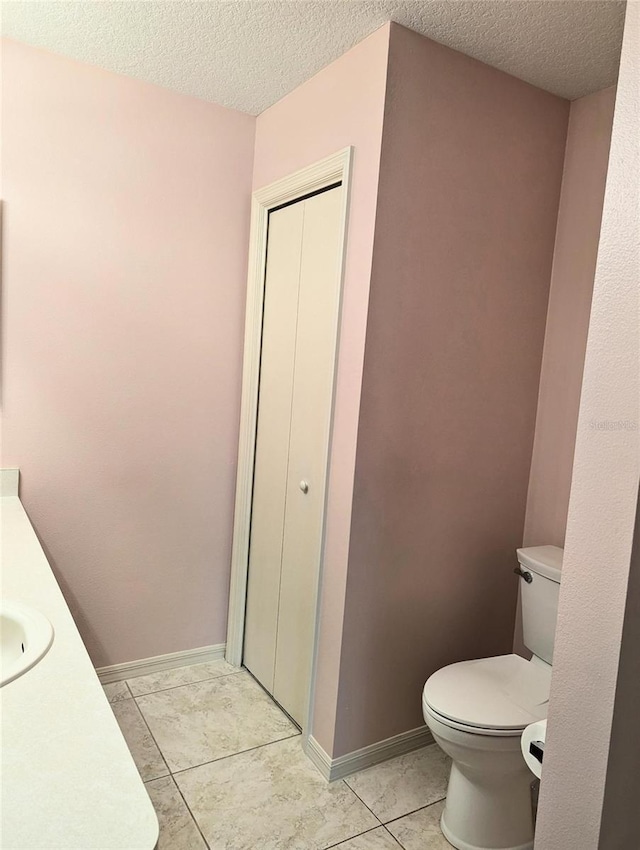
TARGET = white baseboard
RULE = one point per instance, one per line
(319, 757)
(349, 763)
(131, 669)
(9, 482)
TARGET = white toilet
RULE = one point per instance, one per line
(477, 711)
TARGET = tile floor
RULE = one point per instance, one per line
(225, 771)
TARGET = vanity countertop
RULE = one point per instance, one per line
(68, 780)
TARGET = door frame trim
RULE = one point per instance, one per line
(319, 175)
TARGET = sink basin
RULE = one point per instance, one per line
(25, 637)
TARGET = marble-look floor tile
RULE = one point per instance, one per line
(145, 753)
(272, 798)
(376, 839)
(178, 830)
(179, 676)
(117, 691)
(403, 784)
(208, 720)
(421, 830)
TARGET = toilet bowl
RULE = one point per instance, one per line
(477, 712)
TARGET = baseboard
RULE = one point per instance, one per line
(131, 669)
(9, 482)
(318, 756)
(349, 763)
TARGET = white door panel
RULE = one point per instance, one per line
(282, 283)
(311, 414)
(294, 415)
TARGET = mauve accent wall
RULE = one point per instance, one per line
(469, 188)
(565, 342)
(126, 214)
(342, 105)
(574, 266)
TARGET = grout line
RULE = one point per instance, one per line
(176, 786)
(119, 699)
(172, 773)
(392, 836)
(193, 817)
(173, 687)
(151, 735)
(351, 838)
(363, 802)
(413, 811)
(239, 753)
(113, 702)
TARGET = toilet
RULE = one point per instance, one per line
(477, 711)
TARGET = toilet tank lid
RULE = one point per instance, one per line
(543, 560)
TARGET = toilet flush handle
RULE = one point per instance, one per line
(523, 574)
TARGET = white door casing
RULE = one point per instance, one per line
(333, 169)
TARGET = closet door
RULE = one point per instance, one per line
(294, 416)
(308, 446)
(282, 283)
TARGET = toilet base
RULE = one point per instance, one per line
(492, 811)
(462, 845)
(488, 803)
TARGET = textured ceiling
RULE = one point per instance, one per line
(246, 54)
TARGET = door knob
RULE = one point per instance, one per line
(304, 486)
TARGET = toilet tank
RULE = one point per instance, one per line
(540, 569)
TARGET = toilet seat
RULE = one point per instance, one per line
(493, 732)
(491, 696)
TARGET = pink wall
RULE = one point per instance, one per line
(469, 189)
(342, 105)
(125, 234)
(588, 682)
(574, 265)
